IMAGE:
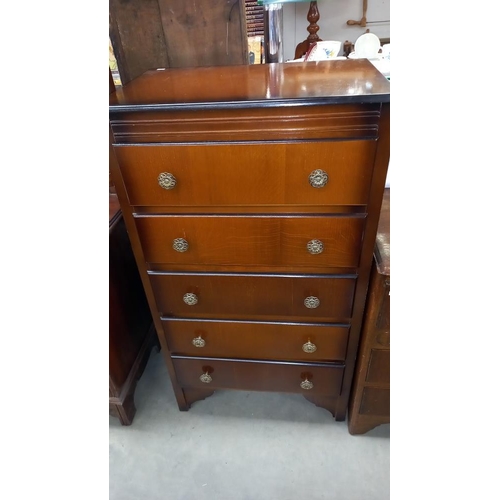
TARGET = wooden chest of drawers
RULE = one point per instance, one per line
(131, 332)
(369, 405)
(251, 195)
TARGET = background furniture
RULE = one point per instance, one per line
(252, 204)
(370, 399)
(313, 28)
(149, 34)
(131, 331)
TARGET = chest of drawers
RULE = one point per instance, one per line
(131, 333)
(251, 196)
(369, 404)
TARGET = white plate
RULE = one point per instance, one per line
(367, 45)
(353, 55)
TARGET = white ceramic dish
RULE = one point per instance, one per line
(367, 46)
(324, 50)
(353, 55)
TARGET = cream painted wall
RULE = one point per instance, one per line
(332, 22)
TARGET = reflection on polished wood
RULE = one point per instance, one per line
(355, 80)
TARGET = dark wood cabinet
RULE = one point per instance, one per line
(252, 195)
(370, 398)
(150, 34)
(131, 331)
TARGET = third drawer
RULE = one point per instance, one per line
(325, 298)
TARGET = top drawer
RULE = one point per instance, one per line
(223, 123)
(248, 174)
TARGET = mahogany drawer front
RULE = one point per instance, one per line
(256, 340)
(258, 376)
(248, 174)
(252, 240)
(264, 297)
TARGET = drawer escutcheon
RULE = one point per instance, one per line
(190, 299)
(167, 180)
(180, 245)
(306, 384)
(309, 347)
(311, 302)
(315, 247)
(318, 178)
(198, 342)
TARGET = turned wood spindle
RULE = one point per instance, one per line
(313, 28)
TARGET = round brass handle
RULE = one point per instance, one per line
(309, 347)
(311, 302)
(180, 245)
(318, 178)
(315, 246)
(166, 180)
(306, 384)
(198, 342)
(190, 299)
(206, 378)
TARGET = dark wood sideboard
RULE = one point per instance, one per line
(370, 397)
(131, 330)
(251, 195)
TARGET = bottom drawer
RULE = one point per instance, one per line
(217, 373)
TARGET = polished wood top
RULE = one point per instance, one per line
(246, 86)
(383, 241)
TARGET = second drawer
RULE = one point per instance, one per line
(256, 340)
(317, 241)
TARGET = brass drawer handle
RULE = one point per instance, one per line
(198, 342)
(311, 302)
(309, 347)
(166, 180)
(306, 384)
(190, 299)
(206, 378)
(180, 245)
(318, 178)
(315, 247)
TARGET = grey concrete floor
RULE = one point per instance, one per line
(240, 446)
